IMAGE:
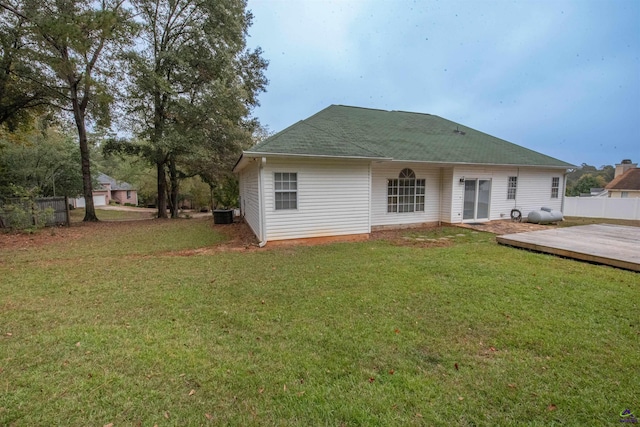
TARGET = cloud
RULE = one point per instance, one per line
(534, 73)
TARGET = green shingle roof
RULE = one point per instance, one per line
(342, 131)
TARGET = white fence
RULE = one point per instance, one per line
(602, 207)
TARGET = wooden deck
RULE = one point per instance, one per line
(615, 245)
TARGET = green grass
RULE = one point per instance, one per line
(363, 333)
(77, 215)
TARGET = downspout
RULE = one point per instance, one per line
(261, 219)
(370, 194)
(440, 197)
(564, 191)
(515, 200)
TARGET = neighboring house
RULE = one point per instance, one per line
(595, 192)
(109, 190)
(626, 181)
(348, 170)
(119, 191)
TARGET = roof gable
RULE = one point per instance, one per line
(115, 185)
(343, 131)
(630, 180)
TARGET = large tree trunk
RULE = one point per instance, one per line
(87, 185)
(173, 186)
(162, 189)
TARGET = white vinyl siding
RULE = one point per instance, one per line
(332, 199)
(250, 197)
(382, 173)
(446, 186)
(532, 193)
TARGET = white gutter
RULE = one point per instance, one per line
(390, 159)
(478, 164)
(313, 156)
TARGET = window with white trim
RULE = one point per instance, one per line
(406, 193)
(555, 187)
(286, 190)
(512, 187)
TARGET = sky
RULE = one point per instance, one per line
(558, 77)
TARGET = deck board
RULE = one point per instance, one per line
(615, 245)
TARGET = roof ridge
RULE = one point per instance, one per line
(355, 107)
(381, 110)
(415, 112)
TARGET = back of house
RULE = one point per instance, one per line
(347, 171)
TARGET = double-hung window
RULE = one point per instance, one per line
(512, 187)
(406, 193)
(555, 187)
(286, 190)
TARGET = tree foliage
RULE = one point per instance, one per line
(71, 47)
(21, 91)
(193, 85)
(40, 161)
(582, 180)
(189, 79)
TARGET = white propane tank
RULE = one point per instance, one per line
(544, 216)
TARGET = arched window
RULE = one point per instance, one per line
(405, 193)
(407, 174)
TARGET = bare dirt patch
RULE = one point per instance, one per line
(506, 227)
(239, 236)
(20, 240)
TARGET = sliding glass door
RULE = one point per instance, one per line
(477, 195)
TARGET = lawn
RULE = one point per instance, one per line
(147, 322)
(77, 215)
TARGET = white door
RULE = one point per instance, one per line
(477, 195)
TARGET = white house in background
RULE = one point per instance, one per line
(346, 171)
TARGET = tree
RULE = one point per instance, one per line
(193, 86)
(40, 161)
(73, 44)
(586, 183)
(582, 180)
(20, 92)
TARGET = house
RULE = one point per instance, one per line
(108, 190)
(626, 181)
(595, 192)
(346, 171)
(118, 191)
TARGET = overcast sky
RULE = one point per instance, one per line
(558, 77)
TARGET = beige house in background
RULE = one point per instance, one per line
(110, 190)
(626, 182)
(118, 191)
